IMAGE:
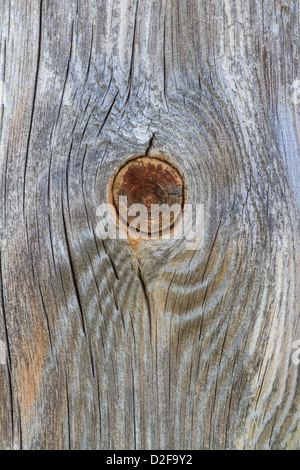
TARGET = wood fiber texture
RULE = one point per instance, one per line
(157, 347)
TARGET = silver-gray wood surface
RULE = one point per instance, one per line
(158, 348)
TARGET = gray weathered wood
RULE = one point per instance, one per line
(158, 348)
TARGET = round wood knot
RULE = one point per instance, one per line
(151, 182)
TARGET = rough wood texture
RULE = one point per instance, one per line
(160, 347)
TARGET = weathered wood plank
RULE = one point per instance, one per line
(158, 347)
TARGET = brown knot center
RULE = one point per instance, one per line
(148, 181)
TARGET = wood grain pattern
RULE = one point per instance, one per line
(157, 348)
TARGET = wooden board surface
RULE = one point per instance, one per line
(158, 347)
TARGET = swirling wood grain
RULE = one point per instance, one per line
(110, 347)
